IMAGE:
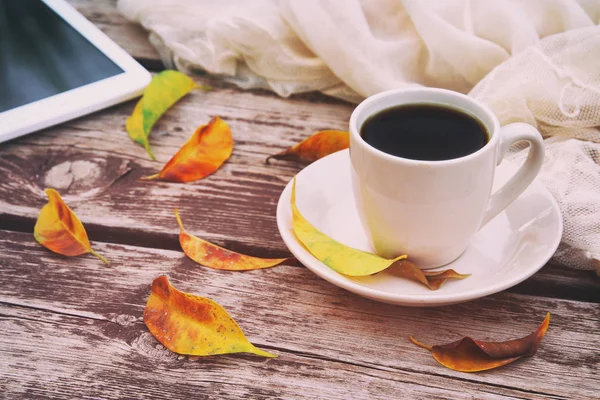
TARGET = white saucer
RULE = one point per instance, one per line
(508, 250)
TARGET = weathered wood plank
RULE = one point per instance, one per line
(96, 167)
(130, 36)
(62, 356)
(291, 311)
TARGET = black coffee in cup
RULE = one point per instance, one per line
(424, 132)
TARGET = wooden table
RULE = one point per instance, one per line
(72, 327)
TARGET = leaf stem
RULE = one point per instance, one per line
(148, 178)
(179, 220)
(104, 260)
(425, 346)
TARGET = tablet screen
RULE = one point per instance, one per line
(42, 55)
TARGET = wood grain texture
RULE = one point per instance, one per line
(97, 168)
(74, 316)
(72, 328)
(130, 36)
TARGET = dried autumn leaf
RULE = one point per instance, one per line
(470, 355)
(353, 262)
(316, 146)
(166, 88)
(432, 279)
(58, 229)
(335, 255)
(208, 148)
(193, 325)
(213, 256)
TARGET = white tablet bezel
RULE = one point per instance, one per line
(82, 100)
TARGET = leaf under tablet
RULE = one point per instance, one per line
(165, 89)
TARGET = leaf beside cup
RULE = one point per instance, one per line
(314, 147)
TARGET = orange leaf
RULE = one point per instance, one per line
(432, 279)
(193, 325)
(213, 256)
(470, 355)
(208, 148)
(58, 229)
(316, 146)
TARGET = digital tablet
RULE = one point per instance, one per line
(55, 65)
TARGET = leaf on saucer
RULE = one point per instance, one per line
(352, 262)
(470, 355)
(335, 255)
(208, 148)
(432, 279)
(316, 146)
(165, 89)
(213, 256)
(58, 229)
(193, 325)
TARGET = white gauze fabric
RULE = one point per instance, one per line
(536, 61)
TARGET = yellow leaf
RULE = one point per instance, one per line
(166, 88)
(335, 255)
(193, 325)
(216, 257)
(314, 147)
(58, 229)
(353, 262)
(208, 148)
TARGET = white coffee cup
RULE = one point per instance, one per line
(430, 210)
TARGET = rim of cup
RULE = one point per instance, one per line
(425, 95)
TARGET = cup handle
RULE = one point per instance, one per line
(508, 193)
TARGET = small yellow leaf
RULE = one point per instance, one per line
(335, 255)
(58, 229)
(208, 148)
(166, 88)
(216, 257)
(193, 325)
(314, 147)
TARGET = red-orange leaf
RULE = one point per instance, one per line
(58, 229)
(470, 355)
(216, 257)
(208, 148)
(316, 146)
(193, 325)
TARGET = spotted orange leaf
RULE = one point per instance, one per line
(193, 325)
(58, 229)
(208, 148)
(470, 355)
(316, 146)
(213, 256)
